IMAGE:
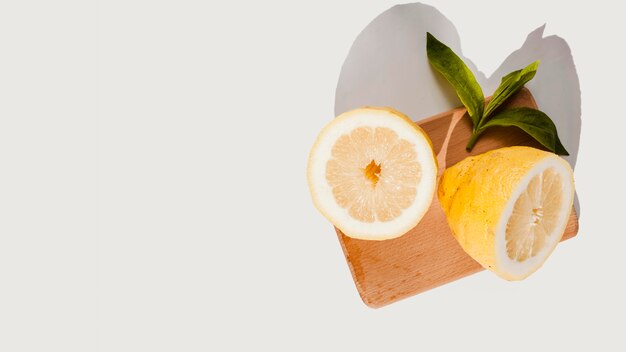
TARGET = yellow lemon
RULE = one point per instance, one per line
(372, 173)
(508, 208)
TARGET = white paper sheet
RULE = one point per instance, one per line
(387, 66)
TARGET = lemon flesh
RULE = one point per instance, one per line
(508, 208)
(372, 172)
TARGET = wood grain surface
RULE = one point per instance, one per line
(428, 256)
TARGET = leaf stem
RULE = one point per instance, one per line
(472, 140)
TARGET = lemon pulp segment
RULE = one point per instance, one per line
(373, 173)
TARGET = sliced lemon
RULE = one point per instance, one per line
(508, 208)
(372, 172)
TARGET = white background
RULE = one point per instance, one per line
(153, 193)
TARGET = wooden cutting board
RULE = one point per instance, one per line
(428, 256)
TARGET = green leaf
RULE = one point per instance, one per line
(446, 62)
(534, 122)
(510, 85)
(559, 148)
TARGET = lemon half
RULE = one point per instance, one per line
(372, 173)
(508, 208)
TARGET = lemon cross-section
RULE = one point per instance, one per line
(535, 216)
(372, 173)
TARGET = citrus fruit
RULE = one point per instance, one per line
(372, 173)
(508, 208)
